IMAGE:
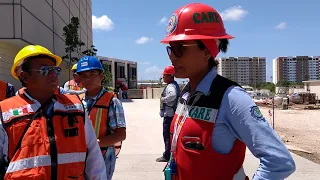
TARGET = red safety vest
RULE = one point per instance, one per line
(205, 164)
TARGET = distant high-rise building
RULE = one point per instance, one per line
(243, 70)
(295, 68)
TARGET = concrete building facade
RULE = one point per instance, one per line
(243, 70)
(122, 70)
(295, 68)
(41, 22)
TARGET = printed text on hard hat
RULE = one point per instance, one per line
(205, 17)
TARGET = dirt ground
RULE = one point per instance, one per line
(299, 128)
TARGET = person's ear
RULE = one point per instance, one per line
(24, 76)
(207, 54)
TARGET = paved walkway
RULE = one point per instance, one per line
(144, 144)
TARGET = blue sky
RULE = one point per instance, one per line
(131, 30)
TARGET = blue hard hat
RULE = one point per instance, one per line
(88, 63)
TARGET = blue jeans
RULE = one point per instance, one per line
(110, 162)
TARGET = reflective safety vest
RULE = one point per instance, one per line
(21, 91)
(98, 115)
(74, 86)
(193, 153)
(3, 90)
(45, 147)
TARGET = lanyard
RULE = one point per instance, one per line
(179, 124)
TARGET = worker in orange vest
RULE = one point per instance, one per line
(105, 110)
(74, 86)
(215, 119)
(6, 90)
(46, 135)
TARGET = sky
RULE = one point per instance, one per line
(132, 30)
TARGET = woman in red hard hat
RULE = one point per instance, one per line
(216, 119)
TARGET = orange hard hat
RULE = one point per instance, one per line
(195, 21)
(168, 70)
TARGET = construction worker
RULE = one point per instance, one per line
(105, 110)
(215, 118)
(6, 90)
(168, 105)
(46, 135)
(74, 86)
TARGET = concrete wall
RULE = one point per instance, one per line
(40, 22)
(149, 93)
(7, 54)
(314, 87)
(296, 90)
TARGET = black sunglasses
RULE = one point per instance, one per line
(178, 50)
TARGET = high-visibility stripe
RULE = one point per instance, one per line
(45, 160)
(98, 121)
(70, 107)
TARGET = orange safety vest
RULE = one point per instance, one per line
(74, 86)
(21, 91)
(99, 118)
(3, 90)
(45, 148)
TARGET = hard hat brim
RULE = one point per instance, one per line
(89, 69)
(183, 37)
(18, 63)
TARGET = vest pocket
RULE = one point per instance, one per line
(32, 137)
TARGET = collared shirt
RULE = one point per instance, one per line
(115, 114)
(95, 166)
(235, 120)
(169, 98)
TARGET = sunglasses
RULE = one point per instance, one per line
(44, 70)
(178, 50)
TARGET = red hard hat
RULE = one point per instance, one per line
(195, 21)
(168, 70)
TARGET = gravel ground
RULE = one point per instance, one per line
(300, 128)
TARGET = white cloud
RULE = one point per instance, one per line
(102, 23)
(143, 40)
(163, 20)
(154, 70)
(234, 13)
(282, 25)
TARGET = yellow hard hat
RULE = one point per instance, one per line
(29, 51)
(74, 67)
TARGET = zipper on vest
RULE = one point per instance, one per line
(53, 149)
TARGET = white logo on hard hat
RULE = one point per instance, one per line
(84, 64)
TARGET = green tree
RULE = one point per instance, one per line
(107, 75)
(92, 51)
(283, 83)
(267, 85)
(72, 42)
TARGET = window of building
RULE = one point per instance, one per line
(120, 72)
